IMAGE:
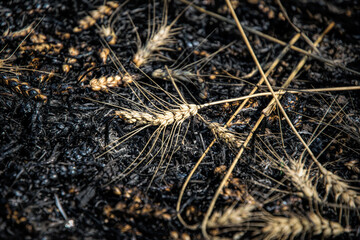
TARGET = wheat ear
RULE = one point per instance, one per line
(96, 14)
(105, 83)
(300, 178)
(289, 228)
(163, 119)
(231, 216)
(295, 171)
(340, 188)
(160, 40)
(225, 135)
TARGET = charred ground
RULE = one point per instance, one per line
(49, 149)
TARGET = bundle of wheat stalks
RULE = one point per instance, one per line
(299, 173)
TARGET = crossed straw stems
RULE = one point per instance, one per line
(329, 177)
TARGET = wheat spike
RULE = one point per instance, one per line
(341, 189)
(295, 171)
(163, 119)
(300, 178)
(158, 40)
(162, 38)
(105, 83)
(96, 14)
(231, 216)
(289, 228)
(225, 135)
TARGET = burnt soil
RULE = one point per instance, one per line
(49, 151)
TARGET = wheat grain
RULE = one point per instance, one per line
(353, 166)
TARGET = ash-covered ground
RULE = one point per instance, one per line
(59, 179)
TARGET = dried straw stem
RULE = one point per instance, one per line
(271, 68)
(275, 97)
